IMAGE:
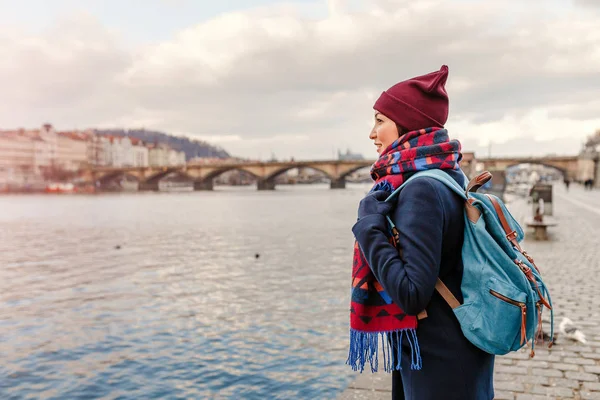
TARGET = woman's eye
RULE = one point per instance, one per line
(379, 120)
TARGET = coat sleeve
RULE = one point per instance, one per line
(419, 217)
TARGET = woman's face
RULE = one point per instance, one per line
(384, 133)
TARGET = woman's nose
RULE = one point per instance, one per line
(372, 134)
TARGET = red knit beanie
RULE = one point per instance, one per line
(417, 103)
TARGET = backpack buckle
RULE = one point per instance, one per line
(512, 236)
(528, 257)
(524, 268)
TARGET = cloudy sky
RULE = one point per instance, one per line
(300, 78)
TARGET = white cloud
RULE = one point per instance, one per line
(275, 78)
(588, 3)
(536, 125)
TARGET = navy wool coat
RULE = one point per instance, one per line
(429, 217)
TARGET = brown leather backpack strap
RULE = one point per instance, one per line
(511, 234)
(446, 294)
(479, 181)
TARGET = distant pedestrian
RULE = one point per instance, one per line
(429, 357)
(567, 182)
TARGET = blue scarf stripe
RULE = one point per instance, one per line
(364, 346)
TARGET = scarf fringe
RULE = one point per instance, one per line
(364, 346)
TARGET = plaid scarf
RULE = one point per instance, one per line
(373, 314)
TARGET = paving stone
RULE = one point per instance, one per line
(592, 369)
(568, 354)
(526, 379)
(369, 381)
(562, 382)
(552, 391)
(591, 386)
(504, 361)
(582, 376)
(566, 367)
(581, 349)
(590, 395)
(359, 394)
(510, 386)
(533, 363)
(504, 377)
(503, 395)
(523, 396)
(579, 361)
(548, 357)
(517, 355)
(550, 372)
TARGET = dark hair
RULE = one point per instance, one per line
(401, 130)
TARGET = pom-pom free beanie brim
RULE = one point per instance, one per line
(418, 102)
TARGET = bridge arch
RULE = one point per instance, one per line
(221, 171)
(111, 176)
(563, 171)
(345, 174)
(156, 177)
(206, 182)
(283, 170)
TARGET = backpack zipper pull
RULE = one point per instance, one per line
(523, 322)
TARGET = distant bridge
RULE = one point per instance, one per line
(202, 175)
(566, 164)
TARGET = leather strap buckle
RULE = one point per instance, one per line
(512, 236)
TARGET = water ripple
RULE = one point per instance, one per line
(183, 309)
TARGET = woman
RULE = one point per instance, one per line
(394, 291)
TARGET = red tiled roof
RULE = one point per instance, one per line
(74, 135)
(9, 134)
(31, 134)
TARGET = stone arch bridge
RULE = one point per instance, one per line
(566, 164)
(202, 175)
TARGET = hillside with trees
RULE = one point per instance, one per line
(191, 148)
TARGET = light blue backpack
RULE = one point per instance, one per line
(502, 288)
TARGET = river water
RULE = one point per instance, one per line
(161, 295)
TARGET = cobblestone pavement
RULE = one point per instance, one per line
(570, 264)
